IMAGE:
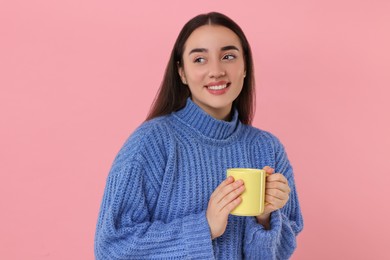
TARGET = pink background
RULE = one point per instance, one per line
(77, 77)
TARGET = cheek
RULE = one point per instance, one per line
(240, 84)
(239, 76)
(238, 70)
(196, 74)
(239, 80)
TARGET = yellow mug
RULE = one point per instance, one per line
(253, 198)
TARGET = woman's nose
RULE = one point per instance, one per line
(216, 70)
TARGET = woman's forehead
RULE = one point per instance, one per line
(212, 37)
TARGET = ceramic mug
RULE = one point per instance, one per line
(253, 198)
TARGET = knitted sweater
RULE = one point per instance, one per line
(157, 192)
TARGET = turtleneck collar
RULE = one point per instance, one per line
(195, 117)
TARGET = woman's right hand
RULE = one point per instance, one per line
(223, 200)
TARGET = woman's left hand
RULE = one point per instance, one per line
(277, 193)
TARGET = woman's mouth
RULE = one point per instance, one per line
(218, 88)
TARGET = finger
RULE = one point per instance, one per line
(223, 184)
(268, 169)
(279, 186)
(230, 192)
(225, 189)
(278, 194)
(276, 203)
(230, 206)
(269, 208)
(277, 177)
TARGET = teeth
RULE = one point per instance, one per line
(217, 87)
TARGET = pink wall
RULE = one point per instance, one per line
(77, 77)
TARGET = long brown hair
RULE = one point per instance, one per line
(173, 94)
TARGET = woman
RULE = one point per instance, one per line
(166, 195)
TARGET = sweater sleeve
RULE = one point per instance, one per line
(280, 241)
(126, 229)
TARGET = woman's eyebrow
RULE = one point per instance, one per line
(229, 47)
(198, 50)
(225, 48)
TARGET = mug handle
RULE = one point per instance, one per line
(266, 175)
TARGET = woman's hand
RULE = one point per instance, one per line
(277, 193)
(222, 201)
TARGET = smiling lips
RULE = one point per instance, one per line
(218, 88)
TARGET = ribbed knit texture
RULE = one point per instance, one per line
(157, 192)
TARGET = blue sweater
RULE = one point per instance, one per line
(157, 192)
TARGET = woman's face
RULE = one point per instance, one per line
(214, 69)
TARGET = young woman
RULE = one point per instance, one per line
(167, 195)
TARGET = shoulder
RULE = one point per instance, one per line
(260, 135)
(154, 128)
(147, 141)
(259, 138)
(268, 149)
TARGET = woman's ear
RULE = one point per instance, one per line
(180, 70)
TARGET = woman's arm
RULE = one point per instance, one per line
(126, 230)
(278, 240)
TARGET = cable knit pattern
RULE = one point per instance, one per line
(157, 192)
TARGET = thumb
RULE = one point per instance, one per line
(268, 170)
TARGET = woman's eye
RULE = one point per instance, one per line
(199, 60)
(229, 57)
